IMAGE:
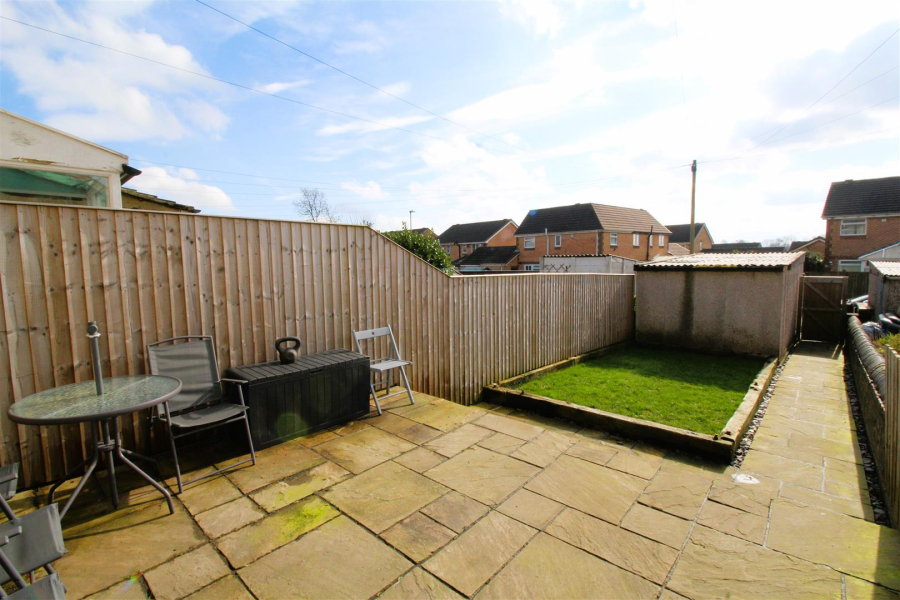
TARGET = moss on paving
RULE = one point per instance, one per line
(683, 389)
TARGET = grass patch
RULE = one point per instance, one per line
(889, 341)
(683, 389)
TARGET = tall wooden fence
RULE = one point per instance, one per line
(147, 276)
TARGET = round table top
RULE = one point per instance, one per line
(79, 402)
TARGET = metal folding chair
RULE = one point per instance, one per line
(201, 404)
(383, 366)
(30, 542)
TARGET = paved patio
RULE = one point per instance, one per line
(439, 500)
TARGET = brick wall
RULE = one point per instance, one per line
(572, 243)
(880, 232)
(625, 246)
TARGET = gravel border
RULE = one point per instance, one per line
(741, 452)
(876, 496)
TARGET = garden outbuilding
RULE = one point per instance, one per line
(884, 286)
(730, 303)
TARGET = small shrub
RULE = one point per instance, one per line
(423, 246)
(889, 341)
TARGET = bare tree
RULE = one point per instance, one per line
(361, 219)
(314, 206)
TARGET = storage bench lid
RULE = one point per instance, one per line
(304, 365)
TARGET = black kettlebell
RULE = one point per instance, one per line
(287, 355)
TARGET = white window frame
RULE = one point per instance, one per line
(636, 239)
(529, 243)
(860, 263)
(532, 267)
(613, 239)
(853, 223)
(650, 240)
(557, 241)
(662, 241)
(701, 244)
(113, 186)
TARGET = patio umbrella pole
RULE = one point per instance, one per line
(93, 333)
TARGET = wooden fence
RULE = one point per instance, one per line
(890, 470)
(145, 276)
(857, 283)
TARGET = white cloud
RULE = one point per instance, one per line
(369, 191)
(98, 94)
(181, 185)
(279, 86)
(367, 38)
(544, 17)
(381, 125)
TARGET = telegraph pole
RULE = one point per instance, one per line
(412, 211)
(693, 195)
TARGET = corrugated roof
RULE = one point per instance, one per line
(725, 261)
(589, 217)
(863, 197)
(891, 268)
(489, 255)
(681, 234)
(471, 233)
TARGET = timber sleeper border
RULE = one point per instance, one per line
(719, 447)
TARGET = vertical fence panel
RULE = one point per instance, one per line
(147, 276)
(891, 470)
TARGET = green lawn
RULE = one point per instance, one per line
(683, 389)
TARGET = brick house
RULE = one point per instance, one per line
(860, 217)
(489, 258)
(681, 235)
(813, 246)
(462, 239)
(589, 229)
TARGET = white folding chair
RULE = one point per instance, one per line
(383, 366)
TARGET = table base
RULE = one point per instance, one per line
(111, 446)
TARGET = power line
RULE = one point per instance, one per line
(238, 85)
(819, 99)
(354, 77)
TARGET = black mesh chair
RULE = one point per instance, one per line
(201, 405)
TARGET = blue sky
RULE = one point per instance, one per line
(580, 102)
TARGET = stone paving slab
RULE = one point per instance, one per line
(550, 568)
(227, 588)
(364, 449)
(186, 574)
(227, 517)
(455, 511)
(420, 459)
(531, 509)
(543, 450)
(595, 490)
(483, 475)
(451, 444)
(419, 584)
(732, 521)
(509, 426)
(418, 536)
(299, 486)
(501, 443)
(384, 495)
(469, 561)
(337, 560)
(681, 494)
(273, 464)
(657, 525)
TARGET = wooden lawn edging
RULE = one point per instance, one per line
(720, 448)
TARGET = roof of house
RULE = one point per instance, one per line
(863, 197)
(677, 249)
(589, 217)
(469, 233)
(876, 251)
(681, 234)
(746, 261)
(733, 246)
(420, 230)
(488, 255)
(157, 200)
(799, 245)
(891, 268)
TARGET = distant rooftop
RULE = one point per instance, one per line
(863, 197)
(589, 217)
(891, 268)
(472, 233)
(801, 244)
(681, 234)
(488, 255)
(725, 260)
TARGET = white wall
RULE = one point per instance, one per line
(587, 264)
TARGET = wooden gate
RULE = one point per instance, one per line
(823, 308)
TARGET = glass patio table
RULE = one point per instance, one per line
(80, 403)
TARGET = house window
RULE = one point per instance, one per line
(853, 266)
(464, 250)
(701, 244)
(529, 244)
(650, 240)
(662, 241)
(557, 241)
(52, 187)
(532, 267)
(614, 239)
(446, 249)
(636, 239)
(853, 227)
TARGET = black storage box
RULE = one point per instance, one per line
(317, 391)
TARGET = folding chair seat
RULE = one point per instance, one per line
(383, 365)
(48, 588)
(201, 404)
(30, 542)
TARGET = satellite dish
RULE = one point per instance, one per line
(532, 212)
